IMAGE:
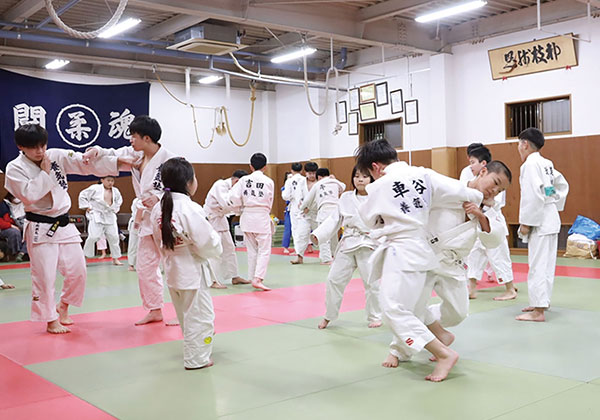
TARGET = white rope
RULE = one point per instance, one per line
(337, 77)
(86, 35)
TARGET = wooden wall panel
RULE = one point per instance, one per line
(443, 160)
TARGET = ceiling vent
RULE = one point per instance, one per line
(208, 39)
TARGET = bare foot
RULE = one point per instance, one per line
(103, 255)
(172, 322)
(299, 260)
(323, 324)
(240, 280)
(7, 286)
(390, 361)
(375, 324)
(217, 285)
(507, 295)
(154, 315)
(63, 314)
(472, 289)
(536, 316)
(286, 251)
(55, 327)
(326, 263)
(528, 309)
(445, 363)
(258, 284)
(209, 364)
(131, 268)
(117, 262)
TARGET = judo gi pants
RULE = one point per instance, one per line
(95, 232)
(226, 265)
(340, 275)
(196, 317)
(132, 244)
(498, 257)
(542, 264)
(259, 252)
(454, 293)
(149, 276)
(300, 233)
(46, 258)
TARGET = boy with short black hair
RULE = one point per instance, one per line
(544, 192)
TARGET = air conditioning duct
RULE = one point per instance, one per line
(208, 39)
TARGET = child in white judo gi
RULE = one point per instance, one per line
(354, 251)
(397, 212)
(324, 197)
(102, 202)
(187, 241)
(254, 195)
(292, 192)
(498, 257)
(215, 206)
(149, 156)
(452, 240)
(544, 192)
(38, 177)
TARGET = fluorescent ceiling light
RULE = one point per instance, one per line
(56, 64)
(209, 79)
(293, 55)
(454, 10)
(120, 27)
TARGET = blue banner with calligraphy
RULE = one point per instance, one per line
(76, 116)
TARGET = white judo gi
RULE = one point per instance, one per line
(294, 191)
(544, 192)
(397, 212)
(102, 218)
(354, 251)
(498, 257)
(53, 249)
(146, 183)
(452, 239)
(132, 241)
(215, 206)
(325, 196)
(254, 194)
(189, 275)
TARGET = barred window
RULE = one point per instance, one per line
(551, 116)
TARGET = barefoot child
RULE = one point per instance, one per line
(186, 242)
(498, 257)
(293, 193)
(397, 211)
(544, 192)
(38, 177)
(102, 202)
(325, 196)
(254, 194)
(354, 251)
(215, 206)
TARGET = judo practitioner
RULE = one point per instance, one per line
(148, 157)
(102, 202)
(38, 177)
(324, 198)
(354, 251)
(187, 241)
(544, 193)
(254, 195)
(215, 206)
(292, 192)
(397, 211)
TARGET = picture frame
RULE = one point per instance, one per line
(396, 101)
(353, 123)
(381, 92)
(353, 97)
(367, 93)
(368, 111)
(342, 112)
(412, 111)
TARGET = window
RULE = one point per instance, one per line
(390, 130)
(551, 115)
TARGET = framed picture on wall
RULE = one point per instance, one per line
(353, 97)
(341, 111)
(353, 123)
(412, 111)
(396, 101)
(368, 111)
(381, 90)
(367, 93)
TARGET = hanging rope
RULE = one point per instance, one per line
(85, 35)
(224, 112)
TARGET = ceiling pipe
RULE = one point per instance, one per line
(59, 12)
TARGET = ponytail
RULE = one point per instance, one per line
(166, 227)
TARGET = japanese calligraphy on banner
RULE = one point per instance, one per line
(531, 57)
(76, 116)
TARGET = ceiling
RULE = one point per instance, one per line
(357, 32)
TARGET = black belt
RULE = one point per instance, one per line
(56, 222)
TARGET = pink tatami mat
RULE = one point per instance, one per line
(25, 395)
